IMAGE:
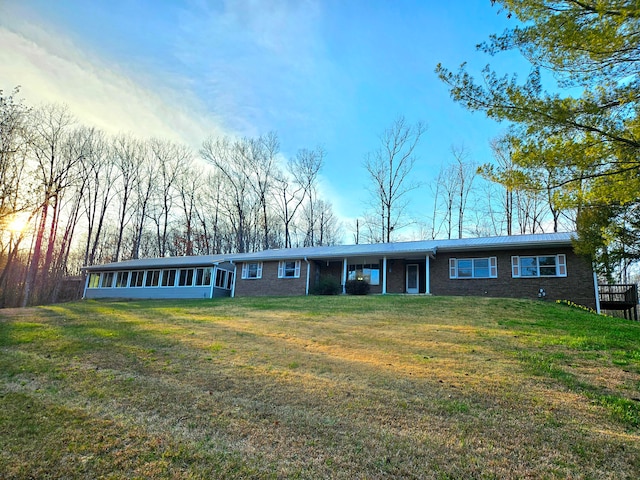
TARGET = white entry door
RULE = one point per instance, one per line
(412, 278)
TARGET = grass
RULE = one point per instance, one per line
(318, 387)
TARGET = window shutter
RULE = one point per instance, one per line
(562, 265)
(297, 268)
(493, 267)
(452, 268)
(259, 270)
(281, 265)
(515, 266)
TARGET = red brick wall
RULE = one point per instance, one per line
(270, 284)
(577, 286)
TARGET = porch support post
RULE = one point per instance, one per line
(306, 291)
(235, 277)
(427, 282)
(384, 275)
(214, 275)
(344, 276)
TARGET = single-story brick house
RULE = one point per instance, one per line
(521, 266)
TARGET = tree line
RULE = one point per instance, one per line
(71, 195)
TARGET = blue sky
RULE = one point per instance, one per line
(330, 73)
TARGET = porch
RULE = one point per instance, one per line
(620, 297)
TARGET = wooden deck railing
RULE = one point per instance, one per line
(620, 297)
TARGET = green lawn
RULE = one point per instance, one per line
(318, 387)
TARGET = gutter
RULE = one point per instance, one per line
(306, 292)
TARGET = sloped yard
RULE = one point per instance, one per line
(318, 387)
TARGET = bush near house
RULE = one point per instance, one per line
(327, 286)
(357, 287)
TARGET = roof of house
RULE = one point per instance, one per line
(405, 249)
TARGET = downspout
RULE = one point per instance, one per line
(384, 275)
(306, 292)
(597, 289)
(233, 285)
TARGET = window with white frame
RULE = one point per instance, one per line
(289, 269)
(107, 280)
(252, 270)
(94, 280)
(185, 278)
(539, 266)
(461, 268)
(122, 279)
(203, 276)
(169, 278)
(369, 272)
(222, 279)
(137, 278)
(153, 278)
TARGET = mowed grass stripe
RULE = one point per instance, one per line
(318, 387)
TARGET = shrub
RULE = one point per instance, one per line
(327, 286)
(357, 287)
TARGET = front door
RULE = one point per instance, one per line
(412, 278)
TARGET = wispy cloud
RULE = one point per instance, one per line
(263, 63)
(51, 68)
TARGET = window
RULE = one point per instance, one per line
(539, 266)
(229, 283)
(221, 278)
(186, 277)
(203, 276)
(169, 278)
(369, 272)
(122, 279)
(289, 269)
(153, 278)
(252, 270)
(94, 280)
(473, 267)
(107, 280)
(137, 279)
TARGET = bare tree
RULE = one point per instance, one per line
(13, 148)
(261, 159)
(99, 191)
(230, 161)
(128, 154)
(305, 168)
(389, 168)
(189, 185)
(170, 160)
(14, 198)
(290, 197)
(50, 125)
(326, 225)
(447, 187)
(466, 172)
(143, 195)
